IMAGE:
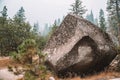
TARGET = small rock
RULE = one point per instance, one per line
(115, 79)
(51, 78)
(6, 75)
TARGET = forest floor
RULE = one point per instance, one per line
(4, 73)
(6, 61)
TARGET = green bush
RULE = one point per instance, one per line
(29, 76)
(24, 55)
(28, 43)
(25, 51)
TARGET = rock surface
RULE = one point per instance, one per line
(51, 78)
(6, 75)
(115, 79)
(115, 64)
(78, 46)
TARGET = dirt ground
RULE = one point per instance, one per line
(100, 76)
(4, 73)
(6, 61)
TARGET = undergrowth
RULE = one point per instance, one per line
(32, 60)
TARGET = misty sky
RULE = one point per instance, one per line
(46, 11)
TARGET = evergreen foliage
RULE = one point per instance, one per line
(77, 8)
(14, 31)
(4, 12)
(53, 28)
(102, 22)
(20, 16)
(25, 55)
(3, 16)
(90, 17)
(113, 8)
(36, 28)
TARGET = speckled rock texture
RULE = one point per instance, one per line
(78, 46)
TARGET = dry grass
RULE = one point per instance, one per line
(6, 61)
(106, 75)
(100, 76)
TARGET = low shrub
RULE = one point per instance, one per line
(32, 58)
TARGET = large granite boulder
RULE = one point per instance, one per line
(78, 46)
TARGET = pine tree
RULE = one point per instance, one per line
(90, 17)
(4, 12)
(102, 20)
(59, 21)
(14, 31)
(4, 15)
(96, 22)
(36, 28)
(77, 8)
(20, 16)
(113, 8)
